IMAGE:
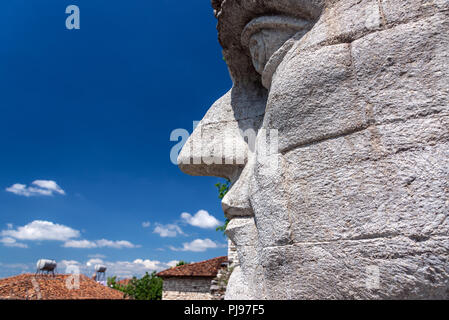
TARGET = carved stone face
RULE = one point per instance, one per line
(355, 205)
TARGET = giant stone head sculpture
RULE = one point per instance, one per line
(353, 95)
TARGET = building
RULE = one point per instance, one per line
(58, 287)
(195, 281)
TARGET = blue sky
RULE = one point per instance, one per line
(85, 121)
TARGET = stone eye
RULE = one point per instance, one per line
(263, 44)
(264, 36)
(258, 51)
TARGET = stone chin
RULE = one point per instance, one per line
(358, 93)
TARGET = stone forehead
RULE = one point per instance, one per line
(234, 15)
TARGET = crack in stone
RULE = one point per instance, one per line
(367, 126)
(382, 14)
(324, 138)
(389, 236)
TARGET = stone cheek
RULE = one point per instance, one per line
(359, 207)
(382, 268)
(384, 187)
(401, 73)
(356, 211)
(323, 90)
(187, 289)
(313, 97)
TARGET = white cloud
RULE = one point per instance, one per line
(21, 190)
(69, 266)
(128, 269)
(198, 245)
(146, 224)
(121, 269)
(149, 264)
(115, 244)
(168, 230)
(97, 255)
(201, 219)
(11, 242)
(103, 243)
(15, 265)
(49, 185)
(9, 269)
(84, 244)
(172, 263)
(9, 225)
(39, 230)
(66, 263)
(93, 262)
(42, 230)
(37, 188)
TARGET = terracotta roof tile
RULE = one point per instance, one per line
(124, 282)
(208, 268)
(29, 286)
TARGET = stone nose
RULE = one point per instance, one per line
(219, 144)
(215, 147)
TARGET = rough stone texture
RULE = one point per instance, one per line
(357, 205)
(233, 257)
(217, 146)
(220, 282)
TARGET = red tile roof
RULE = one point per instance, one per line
(29, 286)
(208, 268)
(124, 282)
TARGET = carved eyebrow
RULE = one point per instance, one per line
(272, 22)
